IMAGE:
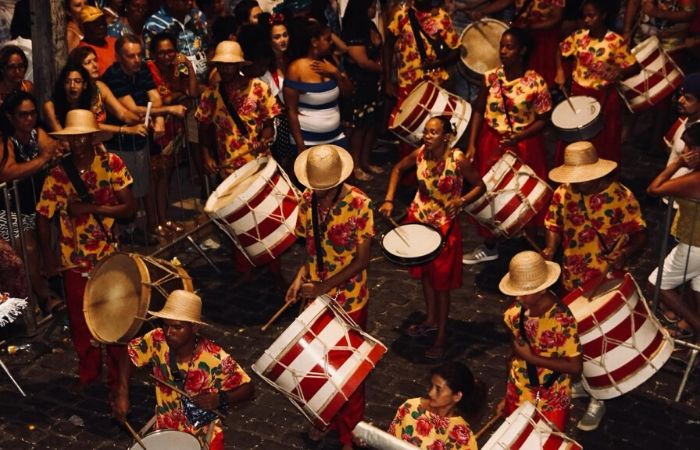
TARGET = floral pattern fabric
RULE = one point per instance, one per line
(537, 11)
(594, 55)
(410, 66)
(655, 26)
(173, 125)
(525, 98)
(348, 223)
(428, 431)
(439, 184)
(583, 221)
(553, 335)
(211, 370)
(255, 104)
(82, 241)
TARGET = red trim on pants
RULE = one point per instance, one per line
(89, 357)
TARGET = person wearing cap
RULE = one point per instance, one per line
(337, 222)
(545, 341)
(683, 262)
(94, 24)
(85, 227)
(443, 172)
(598, 223)
(179, 354)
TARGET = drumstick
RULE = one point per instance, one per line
(399, 233)
(487, 425)
(568, 100)
(277, 314)
(135, 435)
(180, 391)
(531, 242)
(148, 114)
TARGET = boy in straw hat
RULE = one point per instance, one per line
(180, 356)
(337, 222)
(85, 226)
(598, 223)
(546, 347)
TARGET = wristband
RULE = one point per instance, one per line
(386, 201)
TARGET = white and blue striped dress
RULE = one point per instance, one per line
(319, 114)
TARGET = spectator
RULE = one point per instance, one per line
(94, 25)
(73, 32)
(132, 21)
(13, 68)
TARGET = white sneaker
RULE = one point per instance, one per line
(594, 414)
(209, 244)
(480, 254)
(577, 390)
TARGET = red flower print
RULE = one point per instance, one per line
(133, 356)
(440, 422)
(356, 202)
(210, 347)
(168, 421)
(572, 207)
(437, 445)
(577, 219)
(229, 365)
(551, 339)
(586, 59)
(423, 426)
(158, 335)
(248, 107)
(596, 202)
(197, 380)
(446, 184)
(258, 90)
(232, 382)
(115, 163)
(565, 46)
(460, 434)
(339, 235)
(103, 196)
(586, 236)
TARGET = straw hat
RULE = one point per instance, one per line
(528, 272)
(82, 121)
(581, 163)
(228, 52)
(323, 166)
(181, 305)
(90, 14)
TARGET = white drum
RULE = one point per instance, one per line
(168, 440)
(580, 123)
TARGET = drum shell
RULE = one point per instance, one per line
(413, 261)
(585, 131)
(486, 60)
(136, 278)
(168, 440)
(623, 343)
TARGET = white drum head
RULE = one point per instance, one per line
(586, 109)
(412, 99)
(422, 240)
(645, 48)
(168, 440)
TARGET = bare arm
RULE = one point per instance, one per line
(358, 53)
(291, 98)
(50, 116)
(115, 107)
(126, 208)
(630, 17)
(552, 242)
(553, 20)
(406, 163)
(477, 118)
(48, 256)
(12, 170)
(388, 58)
(567, 364)
(206, 131)
(120, 401)
(686, 186)
(359, 263)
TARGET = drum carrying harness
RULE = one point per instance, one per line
(531, 368)
(232, 111)
(438, 45)
(318, 232)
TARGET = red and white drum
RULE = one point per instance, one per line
(319, 360)
(527, 428)
(425, 101)
(257, 207)
(514, 195)
(660, 76)
(623, 343)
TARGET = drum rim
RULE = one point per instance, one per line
(416, 260)
(164, 431)
(267, 165)
(575, 98)
(461, 43)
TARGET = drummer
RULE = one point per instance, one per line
(546, 346)
(337, 222)
(452, 388)
(510, 114)
(602, 59)
(195, 364)
(442, 172)
(598, 223)
(85, 227)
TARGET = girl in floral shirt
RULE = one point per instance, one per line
(602, 58)
(442, 172)
(432, 423)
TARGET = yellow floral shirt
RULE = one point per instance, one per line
(537, 11)
(211, 370)
(409, 63)
(439, 184)
(428, 431)
(255, 104)
(82, 241)
(526, 97)
(594, 55)
(583, 221)
(554, 334)
(347, 224)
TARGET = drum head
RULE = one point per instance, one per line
(480, 45)
(585, 111)
(168, 440)
(413, 99)
(230, 190)
(424, 244)
(112, 297)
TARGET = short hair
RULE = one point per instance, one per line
(160, 37)
(126, 39)
(6, 53)
(77, 55)
(691, 135)
(460, 379)
(524, 39)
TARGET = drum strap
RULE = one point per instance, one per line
(531, 368)
(232, 111)
(509, 119)
(438, 44)
(320, 228)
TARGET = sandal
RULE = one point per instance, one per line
(374, 169)
(361, 175)
(670, 316)
(435, 353)
(174, 226)
(162, 232)
(680, 331)
(420, 330)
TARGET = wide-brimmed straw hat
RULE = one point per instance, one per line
(181, 305)
(581, 163)
(528, 272)
(90, 14)
(228, 52)
(82, 121)
(323, 166)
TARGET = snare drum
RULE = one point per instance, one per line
(623, 343)
(122, 288)
(580, 123)
(514, 196)
(527, 428)
(257, 207)
(481, 41)
(168, 440)
(423, 244)
(320, 360)
(660, 76)
(425, 101)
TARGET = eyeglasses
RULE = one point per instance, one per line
(72, 81)
(26, 114)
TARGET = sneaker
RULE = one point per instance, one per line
(480, 254)
(577, 391)
(594, 414)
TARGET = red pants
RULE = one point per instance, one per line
(89, 356)
(444, 272)
(543, 59)
(558, 417)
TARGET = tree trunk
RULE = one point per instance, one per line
(48, 44)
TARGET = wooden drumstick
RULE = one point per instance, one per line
(180, 391)
(568, 99)
(531, 242)
(135, 435)
(399, 233)
(488, 425)
(273, 318)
